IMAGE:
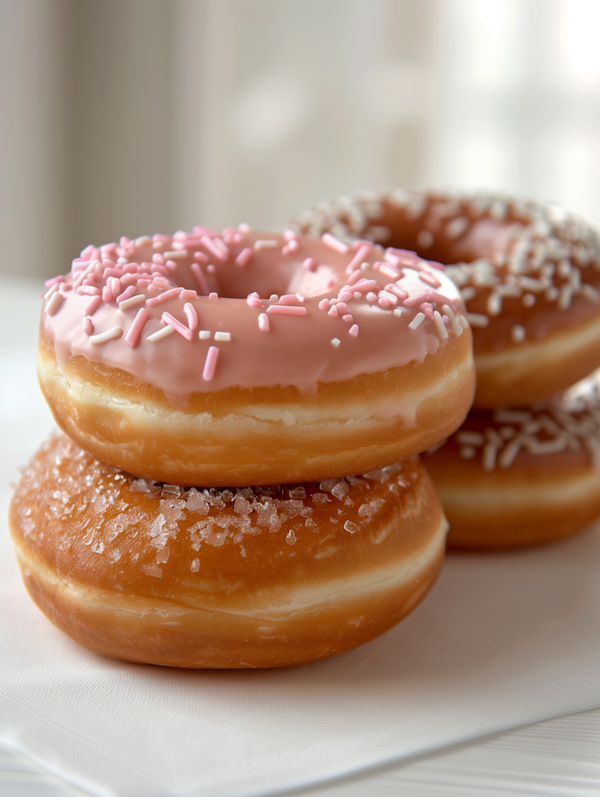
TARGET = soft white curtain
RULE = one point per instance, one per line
(130, 116)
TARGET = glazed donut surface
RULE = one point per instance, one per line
(350, 358)
(529, 273)
(517, 477)
(259, 577)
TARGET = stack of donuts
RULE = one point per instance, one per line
(525, 466)
(218, 393)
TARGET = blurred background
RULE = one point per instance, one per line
(138, 116)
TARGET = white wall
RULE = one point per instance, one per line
(132, 116)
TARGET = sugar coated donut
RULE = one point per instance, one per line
(529, 274)
(252, 577)
(516, 477)
(241, 358)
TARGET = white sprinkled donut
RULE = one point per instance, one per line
(246, 358)
(528, 272)
(515, 477)
(260, 577)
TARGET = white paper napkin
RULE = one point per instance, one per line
(502, 641)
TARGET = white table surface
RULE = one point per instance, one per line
(557, 757)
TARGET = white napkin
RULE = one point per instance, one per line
(502, 641)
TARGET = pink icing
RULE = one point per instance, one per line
(249, 309)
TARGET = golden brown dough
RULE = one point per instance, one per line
(259, 577)
(516, 477)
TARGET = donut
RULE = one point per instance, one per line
(222, 578)
(517, 477)
(528, 272)
(246, 358)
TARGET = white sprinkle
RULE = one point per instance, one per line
(510, 290)
(440, 327)
(204, 334)
(162, 333)
(336, 342)
(104, 337)
(179, 253)
(456, 227)
(265, 243)
(463, 321)
(508, 456)
(425, 239)
(222, 335)
(517, 333)
(468, 293)
(528, 300)
(512, 416)
(566, 294)
(478, 320)
(195, 566)
(417, 321)
(494, 304)
(122, 261)
(143, 240)
(398, 312)
(590, 292)
(468, 438)
(132, 301)
(454, 322)
(467, 452)
(489, 456)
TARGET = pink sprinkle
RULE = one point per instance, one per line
(282, 309)
(430, 279)
(54, 281)
(289, 298)
(111, 271)
(310, 264)
(324, 304)
(135, 330)
(254, 301)
(345, 294)
(54, 303)
(177, 326)
(158, 269)
(165, 296)
(88, 290)
(188, 295)
(216, 247)
(428, 296)
(88, 326)
(359, 258)
(171, 265)
(93, 304)
(197, 272)
(210, 364)
(360, 242)
(355, 276)
(333, 311)
(392, 257)
(371, 297)
(213, 296)
(211, 269)
(244, 257)
(335, 243)
(290, 235)
(263, 323)
(342, 308)
(389, 271)
(347, 318)
(292, 246)
(353, 330)
(365, 285)
(143, 283)
(127, 294)
(106, 294)
(158, 258)
(192, 315)
(437, 266)
(427, 309)
(385, 303)
(200, 257)
(397, 291)
(114, 283)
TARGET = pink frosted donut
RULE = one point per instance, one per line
(243, 358)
